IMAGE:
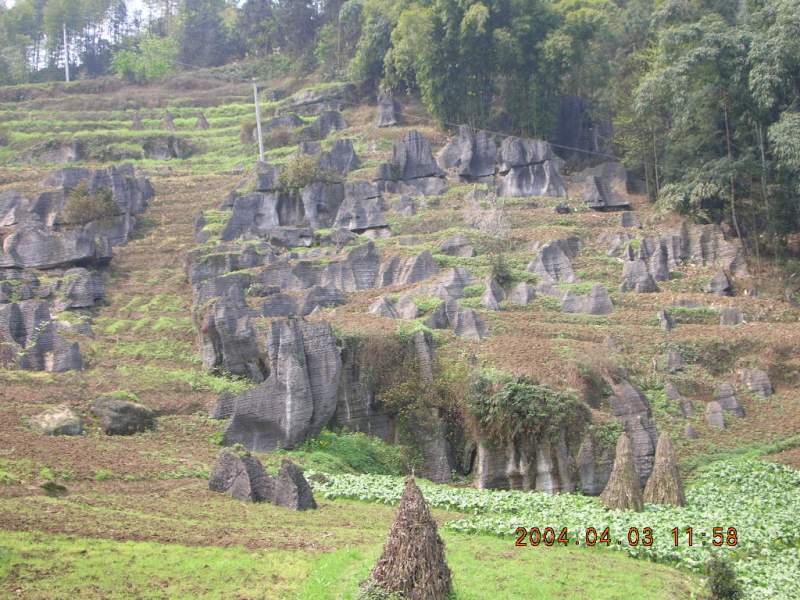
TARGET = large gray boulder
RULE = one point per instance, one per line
(464, 322)
(290, 489)
(341, 158)
(412, 167)
(457, 245)
(59, 420)
(361, 209)
(528, 168)
(636, 277)
(553, 264)
(470, 155)
(228, 340)
(122, 417)
(241, 475)
(730, 315)
(79, 288)
(725, 394)
(757, 381)
(36, 246)
(596, 302)
(600, 195)
(521, 294)
(298, 398)
(388, 111)
(632, 408)
(720, 285)
(714, 415)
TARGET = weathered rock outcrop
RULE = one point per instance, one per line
(594, 463)
(389, 111)
(596, 302)
(241, 475)
(471, 155)
(714, 415)
(528, 168)
(327, 122)
(720, 285)
(632, 408)
(412, 168)
(757, 381)
(521, 294)
(725, 395)
(464, 322)
(553, 264)
(457, 245)
(520, 464)
(298, 398)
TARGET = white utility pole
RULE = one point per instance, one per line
(66, 51)
(258, 122)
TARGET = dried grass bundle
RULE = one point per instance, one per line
(665, 485)
(622, 490)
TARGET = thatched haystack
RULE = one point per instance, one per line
(168, 122)
(413, 563)
(665, 485)
(622, 490)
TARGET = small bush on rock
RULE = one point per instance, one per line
(303, 170)
(82, 207)
(722, 581)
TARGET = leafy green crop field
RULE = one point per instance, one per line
(761, 500)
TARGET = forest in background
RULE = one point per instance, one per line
(704, 95)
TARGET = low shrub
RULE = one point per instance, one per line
(302, 170)
(82, 207)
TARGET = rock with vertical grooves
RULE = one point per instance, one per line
(594, 464)
(471, 154)
(521, 294)
(629, 219)
(631, 407)
(714, 416)
(389, 111)
(725, 395)
(327, 122)
(665, 485)
(636, 277)
(528, 168)
(240, 475)
(413, 564)
(493, 295)
(361, 209)
(690, 433)
(757, 381)
(623, 490)
(290, 489)
(384, 308)
(553, 264)
(298, 398)
(412, 168)
(464, 322)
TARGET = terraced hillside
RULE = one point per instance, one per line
(522, 311)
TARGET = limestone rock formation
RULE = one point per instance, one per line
(388, 111)
(327, 122)
(725, 395)
(166, 147)
(714, 415)
(298, 398)
(665, 485)
(757, 381)
(137, 124)
(361, 209)
(412, 168)
(202, 122)
(665, 320)
(290, 489)
(596, 302)
(636, 277)
(457, 245)
(471, 155)
(631, 407)
(673, 361)
(493, 295)
(464, 322)
(720, 285)
(413, 564)
(594, 464)
(228, 339)
(59, 420)
(623, 490)
(168, 122)
(629, 219)
(528, 168)
(241, 475)
(122, 417)
(599, 195)
(521, 294)
(553, 264)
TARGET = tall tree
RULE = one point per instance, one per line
(203, 38)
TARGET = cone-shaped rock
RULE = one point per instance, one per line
(202, 122)
(665, 485)
(413, 563)
(622, 490)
